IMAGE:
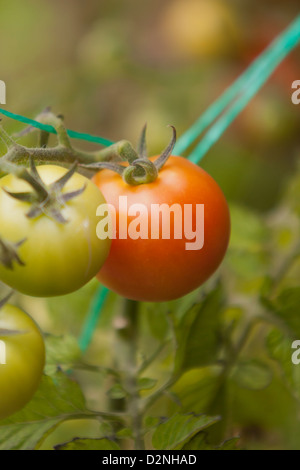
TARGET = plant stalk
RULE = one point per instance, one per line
(127, 344)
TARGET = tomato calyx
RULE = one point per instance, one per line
(46, 199)
(9, 254)
(140, 169)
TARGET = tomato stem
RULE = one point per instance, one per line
(142, 146)
(140, 172)
(127, 345)
(63, 154)
(159, 163)
(140, 169)
(9, 142)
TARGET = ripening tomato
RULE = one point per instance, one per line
(57, 258)
(22, 359)
(150, 267)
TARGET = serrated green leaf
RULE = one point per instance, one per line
(198, 335)
(89, 444)
(145, 383)
(57, 399)
(198, 442)
(252, 375)
(180, 427)
(197, 388)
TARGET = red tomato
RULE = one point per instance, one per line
(163, 269)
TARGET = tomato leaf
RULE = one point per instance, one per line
(180, 427)
(88, 444)
(198, 442)
(57, 399)
(197, 388)
(198, 335)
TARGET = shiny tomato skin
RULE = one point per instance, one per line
(58, 258)
(162, 269)
(24, 360)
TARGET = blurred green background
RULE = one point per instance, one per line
(109, 67)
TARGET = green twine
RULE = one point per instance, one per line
(51, 130)
(245, 87)
(93, 317)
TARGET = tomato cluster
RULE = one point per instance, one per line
(50, 245)
(42, 254)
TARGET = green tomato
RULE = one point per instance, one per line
(22, 359)
(58, 258)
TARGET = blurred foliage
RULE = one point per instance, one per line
(224, 350)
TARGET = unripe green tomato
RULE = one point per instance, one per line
(22, 359)
(58, 258)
